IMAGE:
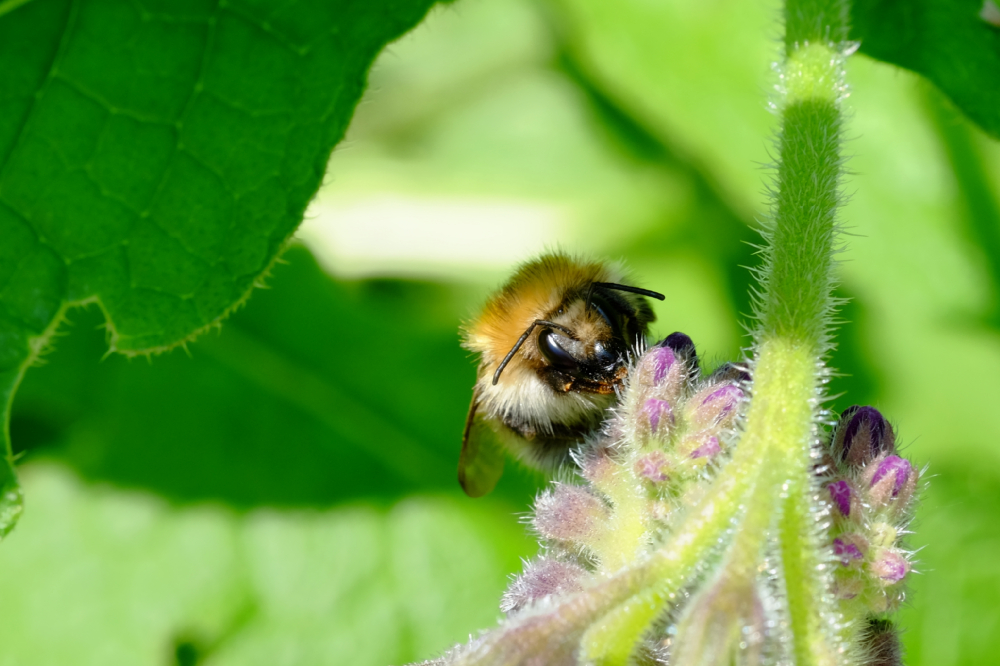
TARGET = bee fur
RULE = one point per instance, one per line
(538, 410)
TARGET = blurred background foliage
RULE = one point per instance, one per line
(284, 493)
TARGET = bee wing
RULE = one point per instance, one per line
(480, 464)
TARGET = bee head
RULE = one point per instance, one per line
(583, 344)
(553, 346)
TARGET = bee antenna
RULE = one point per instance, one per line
(624, 287)
(524, 336)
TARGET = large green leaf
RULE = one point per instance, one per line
(954, 43)
(323, 391)
(711, 114)
(155, 156)
(105, 576)
(282, 446)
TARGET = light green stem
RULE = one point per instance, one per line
(797, 310)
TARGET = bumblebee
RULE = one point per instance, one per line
(553, 345)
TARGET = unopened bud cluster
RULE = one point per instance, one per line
(645, 466)
(871, 489)
(664, 450)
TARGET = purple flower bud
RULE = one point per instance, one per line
(653, 467)
(889, 566)
(714, 406)
(862, 435)
(683, 346)
(849, 549)
(723, 401)
(661, 374)
(659, 411)
(895, 468)
(710, 448)
(569, 513)
(661, 359)
(840, 493)
(542, 577)
(599, 468)
(726, 396)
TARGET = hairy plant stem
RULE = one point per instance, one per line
(795, 310)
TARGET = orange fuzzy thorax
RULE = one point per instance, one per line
(534, 292)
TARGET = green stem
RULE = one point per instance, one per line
(798, 274)
(816, 21)
(782, 418)
(796, 306)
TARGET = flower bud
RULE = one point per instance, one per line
(708, 449)
(898, 468)
(850, 549)
(683, 347)
(570, 513)
(656, 364)
(597, 467)
(882, 535)
(840, 493)
(542, 577)
(653, 467)
(715, 405)
(660, 416)
(891, 477)
(889, 566)
(660, 374)
(862, 435)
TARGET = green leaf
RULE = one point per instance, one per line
(948, 41)
(129, 579)
(323, 391)
(710, 113)
(155, 157)
(954, 617)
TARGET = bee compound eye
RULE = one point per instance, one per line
(605, 357)
(607, 311)
(553, 353)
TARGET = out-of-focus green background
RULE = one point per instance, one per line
(284, 492)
